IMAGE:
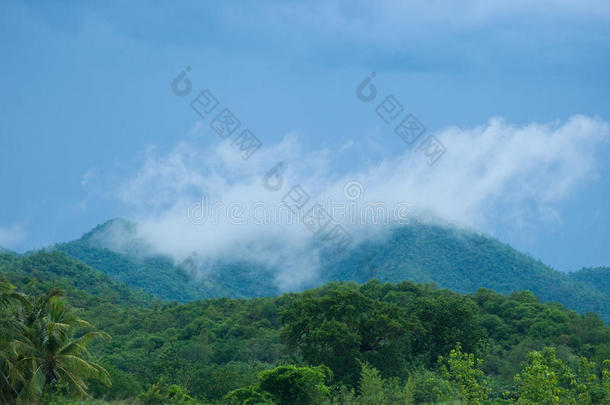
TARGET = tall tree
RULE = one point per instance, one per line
(10, 375)
(544, 379)
(46, 351)
(463, 370)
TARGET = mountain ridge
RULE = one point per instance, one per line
(453, 258)
(43, 269)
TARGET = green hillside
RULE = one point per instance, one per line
(597, 278)
(83, 284)
(465, 261)
(455, 259)
(135, 265)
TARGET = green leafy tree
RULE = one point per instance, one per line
(161, 393)
(248, 396)
(345, 327)
(463, 371)
(545, 379)
(296, 385)
(586, 386)
(427, 387)
(375, 390)
(445, 320)
(285, 385)
(606, 381)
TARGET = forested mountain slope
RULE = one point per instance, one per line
(456, 259)
(465, 261)
(597, 277)
(133, 262)
(83, 284)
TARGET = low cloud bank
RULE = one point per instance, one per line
(222, 207)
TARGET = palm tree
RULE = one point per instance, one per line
(10, 375)
(46, 351)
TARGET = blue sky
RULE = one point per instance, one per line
(86, 102)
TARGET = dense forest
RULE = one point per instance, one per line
(343, 343)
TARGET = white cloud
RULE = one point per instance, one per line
(488, 173)
(12, 235)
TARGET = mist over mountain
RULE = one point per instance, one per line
(116, 249)
(448, 256)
